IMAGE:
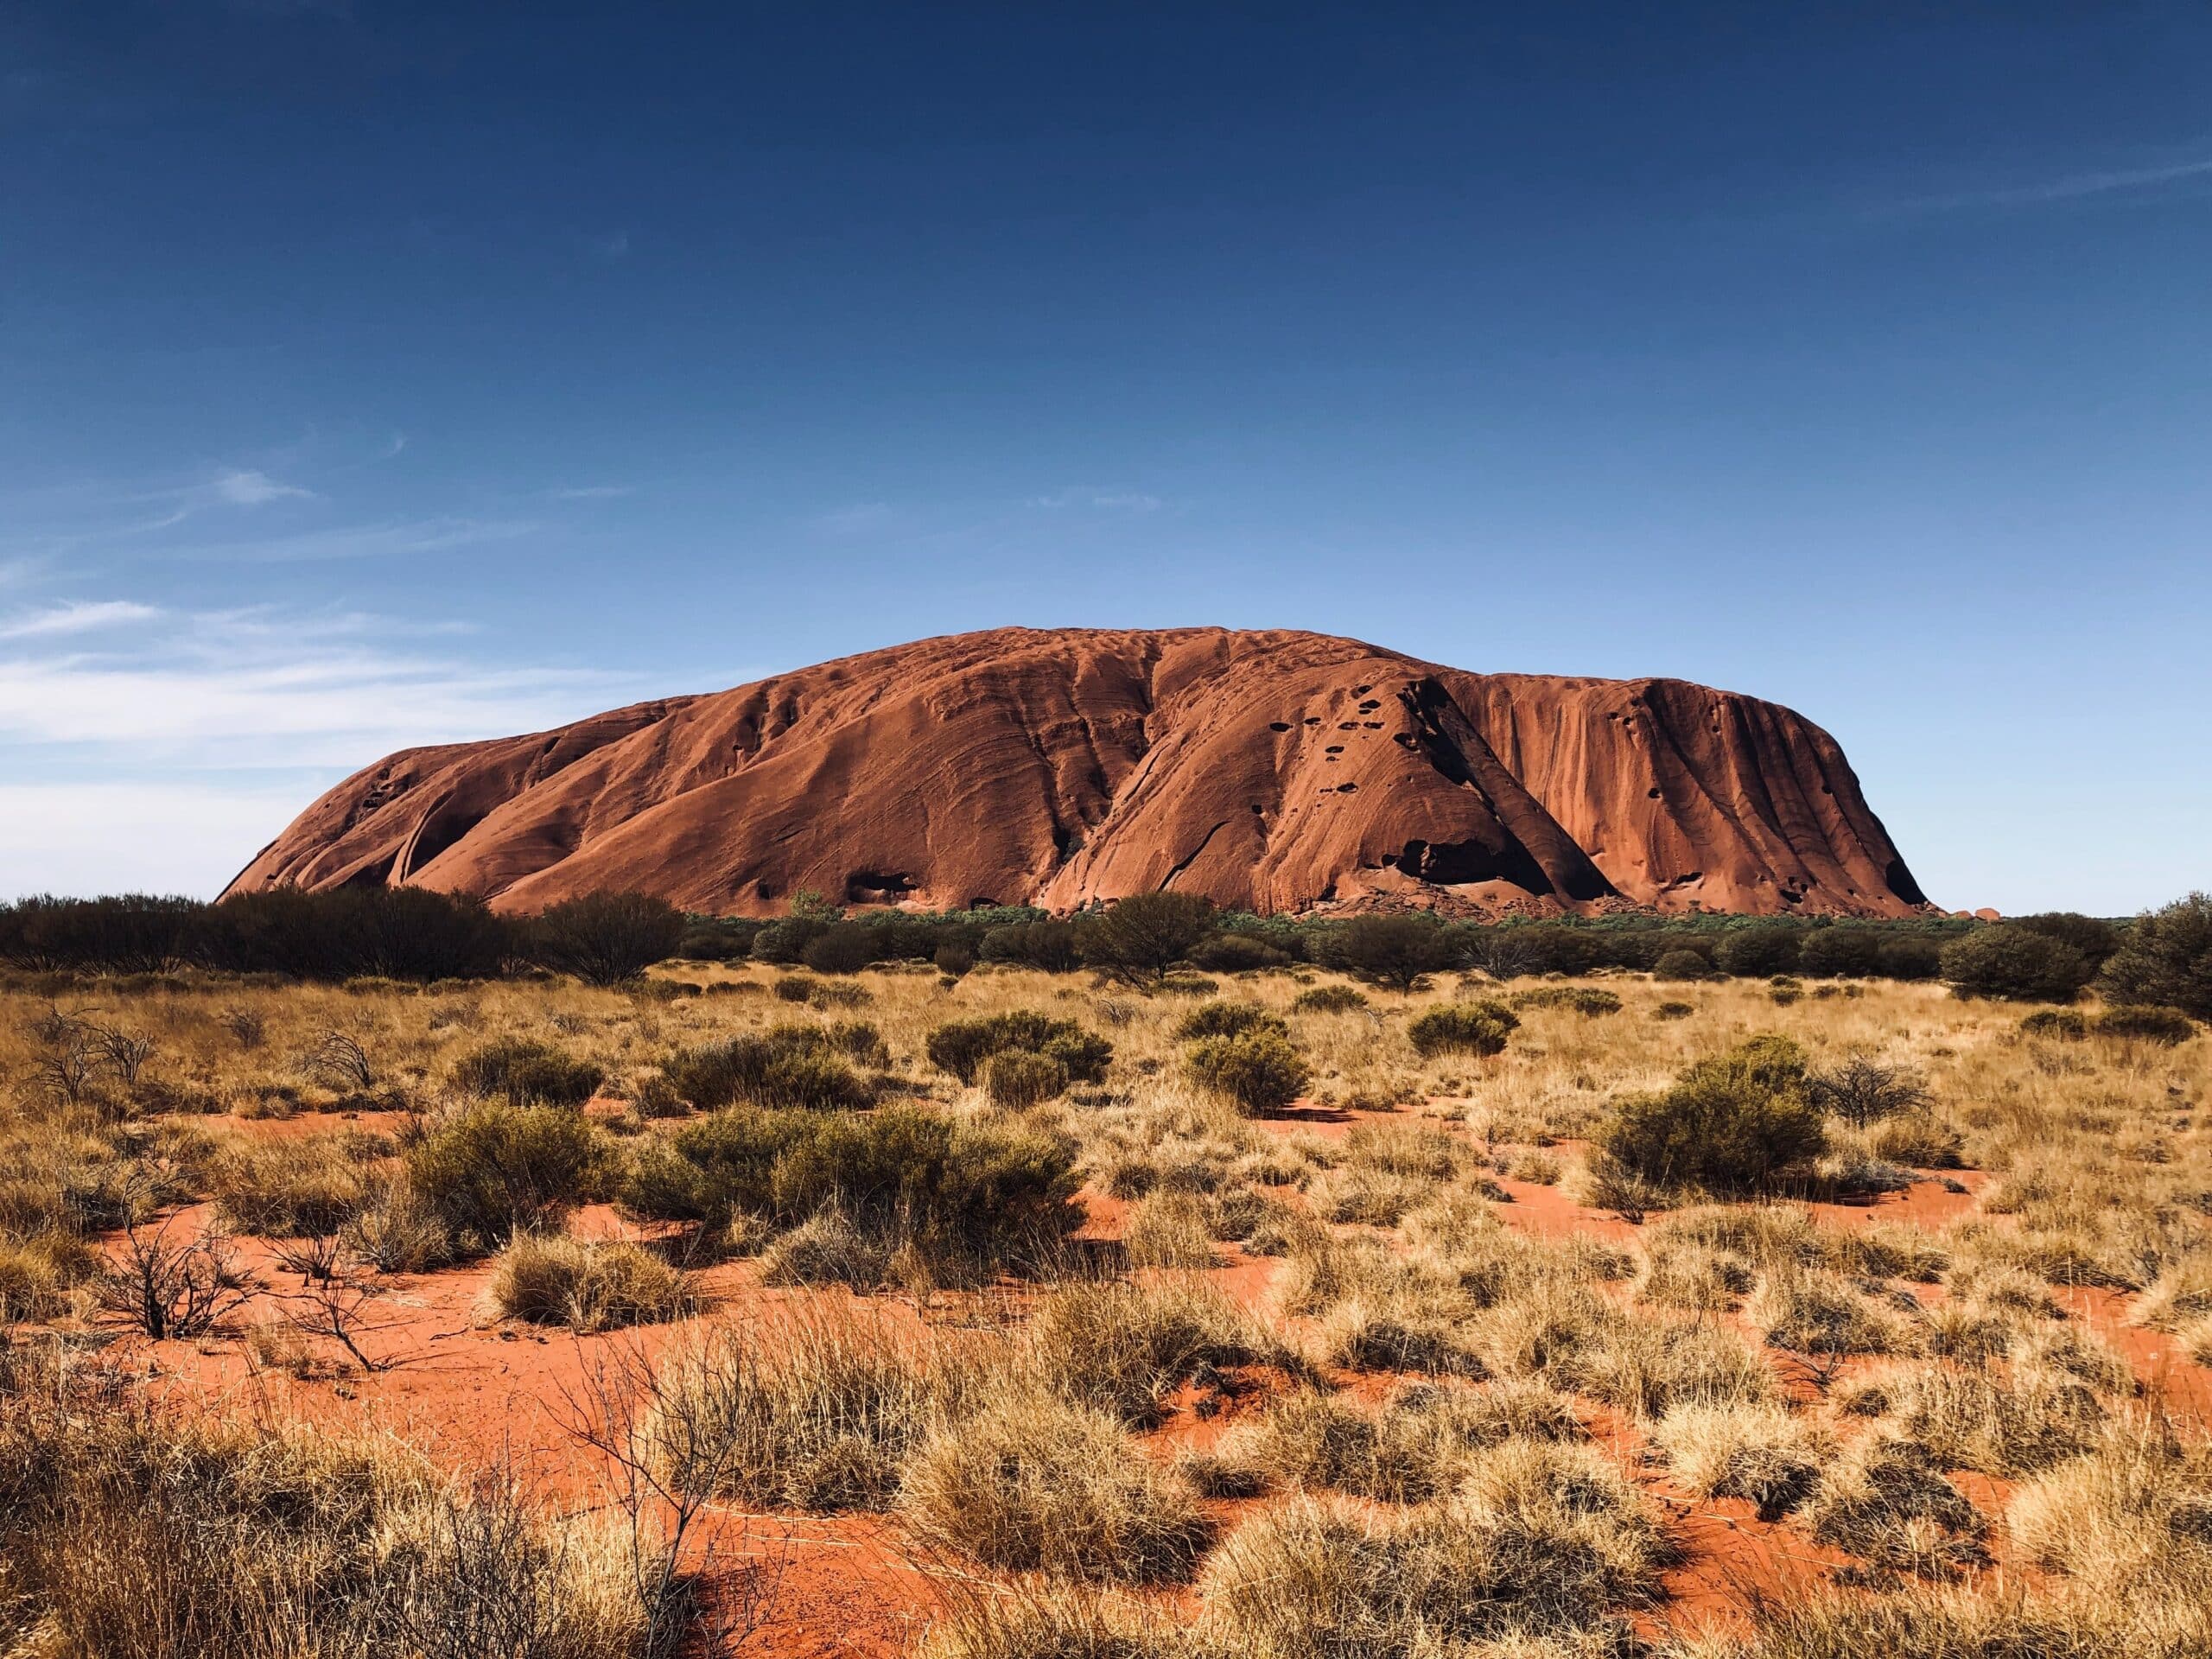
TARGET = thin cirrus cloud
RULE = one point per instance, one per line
(75, 616)
(176, 759)
(439, 534)
(250, 488)
(2075, 187)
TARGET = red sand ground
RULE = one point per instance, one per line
(475, 1394)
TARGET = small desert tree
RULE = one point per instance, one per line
(1140, 937)
(1394, 950)
(2166, 959)
(606, 937)
(2015, 964)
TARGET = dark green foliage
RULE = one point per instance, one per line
(1018, 1079)
(1756, 952)
(1515, 950)
(2166, 959)
(1328, 999)
(962, 1046)
(2060, 1025)
(2169, 1028)
(1257, 1070)
(1463, 1029)
(1844, 951)
(493, 1168)
(2096, 938)
(2016, 964)
(840, 948)
(1392, 951)
(792, 1066)
(1236, 953)
(785, 941)
(1737, 1123)
(954, 960)
(972, 1190)
(1139, 938)
(1910, 957)
(1584, 1000)
(604, 938)
(527, 1073)
(1049, 947)
(1674, 1011)
(717, 938)
(1226, 1020)
(1683, 964)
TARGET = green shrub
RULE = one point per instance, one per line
(605, 938)
(2166, 959)
(1674, 1010)
(495, 1169)
(1139, 938)
(1681, 965)
(1734, 1122)
(1328, 999)
(1236, 953)
(2060, 1025)
(1756, 951)
(1227, 1019)
(956, 1190)
(587, 1287)
(962, 1046)
(1584, 1000)
(1393, 951)
(1018, 1079)
(527, 1072)
(840, 948)
(786, 1065)
(2015, 964)
(1463, 1029)
(1259, 1071)
(2169, 1028)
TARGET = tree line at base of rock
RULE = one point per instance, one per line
(2163, 957)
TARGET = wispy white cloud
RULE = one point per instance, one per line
(612, 247)
(250, 488)
(75, 616)
(269, 688)
(594, 492)
(2075, 187)
(441, 535)
(1097, 500)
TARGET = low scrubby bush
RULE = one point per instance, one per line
(2167, 1027)
(552, 1279)
(2015, 964)
(959, 1191)
(1328, 999)
(792, 1066)
(604, 938)
(2059, 1024)
(526, 1072)
(962, 1046)
(1257, 1071)
(1227, 1019)
(492, 1169)
(1586, 1000)
(1480, 1028)
(2166, 959)
(1018, 1079)
(1737, 1121)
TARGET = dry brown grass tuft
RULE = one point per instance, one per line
(552, 1279)
(1031, 1482)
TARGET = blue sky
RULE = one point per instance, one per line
(374, 374)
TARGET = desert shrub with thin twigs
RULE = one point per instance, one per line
(817, 1410)
(588, 1286)
(1034, 1482)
